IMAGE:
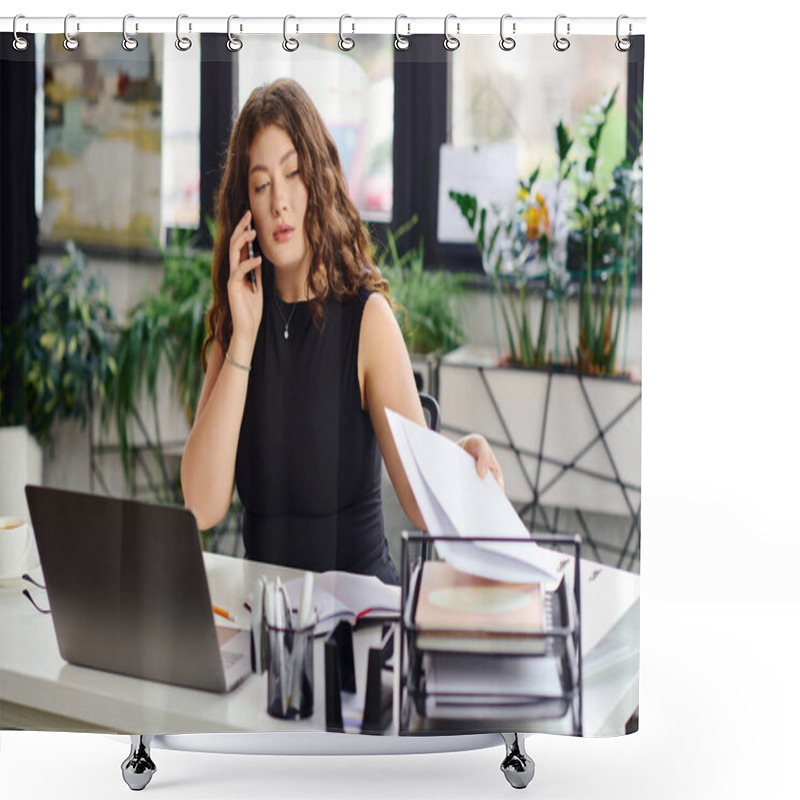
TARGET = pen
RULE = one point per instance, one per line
(282, 624)
(304, 613)
(223, 613)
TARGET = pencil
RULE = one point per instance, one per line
(223, 613)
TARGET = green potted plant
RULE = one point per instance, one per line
(162, 333)
(603, 244)
(428, 304)
(546, 404)
(61, 344)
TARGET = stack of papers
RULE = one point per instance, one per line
(455, 501)
(487, 687)
(464, 613)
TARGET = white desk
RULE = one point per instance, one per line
(40, 691)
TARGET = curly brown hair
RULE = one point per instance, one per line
(341, 248)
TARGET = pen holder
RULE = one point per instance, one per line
(290, 674)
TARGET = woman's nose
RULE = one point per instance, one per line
(279, 198)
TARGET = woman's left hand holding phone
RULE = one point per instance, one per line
(244, 292)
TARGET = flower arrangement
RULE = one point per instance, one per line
(525, 254)
(525, 251)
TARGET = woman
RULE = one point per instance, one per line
(302, 357)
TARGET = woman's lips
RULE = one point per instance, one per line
(283, 234)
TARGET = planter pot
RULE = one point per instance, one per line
(20, 463)
(563, 440)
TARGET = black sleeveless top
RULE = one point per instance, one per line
(308, 466)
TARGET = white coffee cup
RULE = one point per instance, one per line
(15, 547)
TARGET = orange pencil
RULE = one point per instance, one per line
(223, 613)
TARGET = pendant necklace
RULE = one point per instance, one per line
(285, 320)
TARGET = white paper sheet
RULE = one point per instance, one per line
(455, 501)
(338, 595)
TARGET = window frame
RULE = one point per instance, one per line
(423, 92)
(422, 123)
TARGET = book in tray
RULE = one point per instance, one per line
(458, 612)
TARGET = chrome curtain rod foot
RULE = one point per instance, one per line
(517, 766)
(138, 768)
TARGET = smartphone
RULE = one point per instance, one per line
(251, 254)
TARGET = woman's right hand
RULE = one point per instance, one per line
(246, 300)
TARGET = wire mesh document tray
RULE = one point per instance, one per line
(500, 656)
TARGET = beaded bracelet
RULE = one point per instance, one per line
(236, 363)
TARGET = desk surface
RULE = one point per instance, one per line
(39, 690)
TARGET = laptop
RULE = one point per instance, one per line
(128, 591)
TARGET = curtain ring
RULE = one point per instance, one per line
(70, 42)
(401, 42)
(128, 42)
(506, 42)
(561, 43)
(20, 42)
(289, 45)
(451, 42)
(183, 43)
(623, 43)
(345, 42)
(234, 43)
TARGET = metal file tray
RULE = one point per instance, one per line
(536, 680)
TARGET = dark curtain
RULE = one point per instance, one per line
(18, 223)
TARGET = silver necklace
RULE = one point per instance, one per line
(285, 321)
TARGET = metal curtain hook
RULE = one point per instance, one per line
(20, 42)
(451, 42)
(183, 43)
(401, 42)
(70, 43)
(623, 43)
(234, 43)
(345, 42)
(289, 45)
(561, 43)
(506, 42)
(128, 42)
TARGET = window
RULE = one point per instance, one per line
(520, 96)
(354, 92)
(180, 142)
(438, 92)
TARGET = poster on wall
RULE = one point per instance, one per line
(102, 143)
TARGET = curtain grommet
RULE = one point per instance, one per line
(234, 43)
(289, 44)
(183, 43)
(507, 43)
(401, 42)
(70, 42)
(129, 43)
(20, 43)
(345, 42)
(451, 43)
(561, 43)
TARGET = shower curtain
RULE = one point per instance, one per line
(501, 189)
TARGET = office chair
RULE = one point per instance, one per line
(430, 408)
